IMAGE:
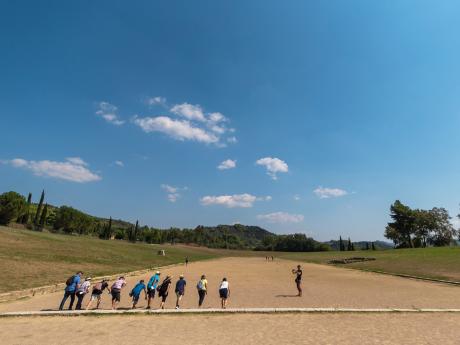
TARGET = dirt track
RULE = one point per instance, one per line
(256, 283)
(407, 329)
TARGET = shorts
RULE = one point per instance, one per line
(163, 297)
(180, 293)
(151, 292)
(96, 296)
(136, 298)
(223, 293)
(116, 295)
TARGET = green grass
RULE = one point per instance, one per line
(438, 263)
(32, 259)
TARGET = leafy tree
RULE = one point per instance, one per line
(403, 226)
(442, 232)
(12, 206)
(39, 209)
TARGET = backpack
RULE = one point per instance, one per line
(69, 281)
(200, 286)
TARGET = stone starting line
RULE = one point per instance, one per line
(221, 311)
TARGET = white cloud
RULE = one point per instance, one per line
(173, 193)
(189, 111)
(119, 163)
(273, 166)
(232, 140)
(264, 198)
(178, 129)
(325, 193)
(156, 101)
(217, 117)
(109, 113)
(72, 169)
(281, 217)
(231, 201)
(227, 164)
(296, 197)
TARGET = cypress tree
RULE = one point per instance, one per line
(109, 229)
(367, 245)
(373, 246)
(349, 245)
(341, 246)
(39, 209)
(25, 216)
(43, 217)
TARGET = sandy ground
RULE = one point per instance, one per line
(256, 283)
(239, 329)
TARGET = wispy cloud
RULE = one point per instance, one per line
(273, 166)
(189, 111)
(281, 217)
(173, 193)
(326, 193)
(296, 197)
(158, 100)
(119, 163)
(232, 201)
(72, 169)
(177, 129)
(109, 113)
(227, 164)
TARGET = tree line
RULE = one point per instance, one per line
(415, 228)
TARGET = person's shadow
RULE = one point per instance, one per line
(286, 296)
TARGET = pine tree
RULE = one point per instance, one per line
(43, 217)
(39, 209)
(25, 217)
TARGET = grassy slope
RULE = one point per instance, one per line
(31, 259)
(440, 263)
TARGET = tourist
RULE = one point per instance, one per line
(298, 279)
(224, 292)
(151, 287)
(180, 289)
(96, 294)
(163, 291)
(82, 290)
(202, 288)
(115, 290)
(186, 261)
(71, 288)
(136, 292)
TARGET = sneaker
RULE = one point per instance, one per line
(177, 307)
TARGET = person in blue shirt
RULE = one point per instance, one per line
(180, 289)
(151, 287)
(136, 292)
(72, 284)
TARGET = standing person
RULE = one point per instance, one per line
(163, 290)
(186, 261)
(152, 286)
(298, 279)
(98, 289)
(115, 290)
(202, 288)
(180, 289)
(224, 292)
(71, 288)
(82, 290)
(136, 292)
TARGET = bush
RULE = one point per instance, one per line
(12, 205)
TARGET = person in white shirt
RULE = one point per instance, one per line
(82, 290)
(224, 292)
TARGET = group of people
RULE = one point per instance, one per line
(77, 287)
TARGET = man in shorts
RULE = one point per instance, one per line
(115, 290)
(136, 292)
(96, 294)
(180, 289)
(151, 287)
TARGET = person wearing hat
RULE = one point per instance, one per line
(152, 286)
(163, 291)
(96, 294)
(202, 288)
(82, 290)
(136, 292)
(180, 289)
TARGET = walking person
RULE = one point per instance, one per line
(71, 288)
(136, 292)
(115, 290)
(202, 288)
(152, 286)
(180, 289)
(186, 261)
(224, 292)
(163, 291)
(82, 290)
(96, 294)
(298, 279)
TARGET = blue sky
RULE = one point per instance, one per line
(320, 113)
